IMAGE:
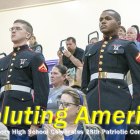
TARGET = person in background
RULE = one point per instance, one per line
(34, 45)
(72, 58)
(4, 133)
(58, 81)
(131, 35)
(24, 80)
(138, 32)
(122, 32)
(73, 100)
(93, 40)
(105, 66)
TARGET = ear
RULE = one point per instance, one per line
(28, 35)
(64, 76)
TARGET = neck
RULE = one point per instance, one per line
(58, 85)
(71, 126)
(70, 129)
(17, 44)
(113, 33)
(71, 120)
(73, 51)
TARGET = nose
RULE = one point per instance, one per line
(52, 75)
(12, 29)
(103, 21)
(128, 35)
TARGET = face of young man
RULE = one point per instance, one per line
(19, 33)
(108, 24)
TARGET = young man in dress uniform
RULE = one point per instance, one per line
(105, 66)
(23, 80)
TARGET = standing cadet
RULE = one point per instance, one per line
(105, 67)
(23, 79)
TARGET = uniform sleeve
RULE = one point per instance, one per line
(85, 75)
(133, 57)
(40, 81)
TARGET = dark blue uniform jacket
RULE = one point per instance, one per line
(23, 67)
(112, 56)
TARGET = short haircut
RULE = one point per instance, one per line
(116, 15)
(123, 28)
(28, 26)
(71, 38)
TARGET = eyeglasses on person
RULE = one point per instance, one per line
(15, 28)
(65, 104)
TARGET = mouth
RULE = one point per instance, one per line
(103, 27)
(52, 80)
(128, 38)
(13, 35)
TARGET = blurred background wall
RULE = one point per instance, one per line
(54, 20)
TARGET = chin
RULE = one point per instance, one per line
(69, 50)
(14, 40)
(52, 83)
(104, 31)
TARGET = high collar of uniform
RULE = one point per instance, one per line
(20, 48)
(107, 38)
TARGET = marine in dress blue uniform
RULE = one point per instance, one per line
(105, 66)
(24, 80)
